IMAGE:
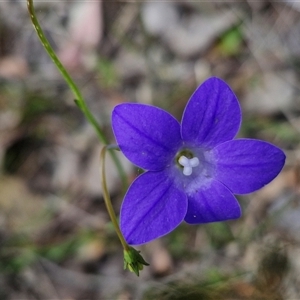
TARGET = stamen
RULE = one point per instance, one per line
(194, 162)
(188, 164)
(184, 161)
(187, 171)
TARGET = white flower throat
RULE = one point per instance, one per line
(188, 164)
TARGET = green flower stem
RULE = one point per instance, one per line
(107, 199)
(79, 100)
(133, 260)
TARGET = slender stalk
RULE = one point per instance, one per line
(79, 100)
(107, 199)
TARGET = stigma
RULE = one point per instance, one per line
(188, 164)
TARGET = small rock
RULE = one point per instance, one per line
(159, 16)
(271, 93)
(129, 65)
(287, 212)
(294, 4)
(19, 205)
(264, 43)
(185, 36)
(13, 67)
(196, 35)
(91, 251)
(144, 93)
(291, 38)
(250, 259)
(161, 262)
(202, 70)
(85, 31)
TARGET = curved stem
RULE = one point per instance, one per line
(107, 199)
(79, 100)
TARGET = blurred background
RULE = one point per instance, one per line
(56, 241)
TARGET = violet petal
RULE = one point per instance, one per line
(246, 165)
(211, 203)
(152, 207)
(148, 136)
(212, 115)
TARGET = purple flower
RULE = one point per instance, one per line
(193, 169)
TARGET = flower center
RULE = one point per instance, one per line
(188, 164)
